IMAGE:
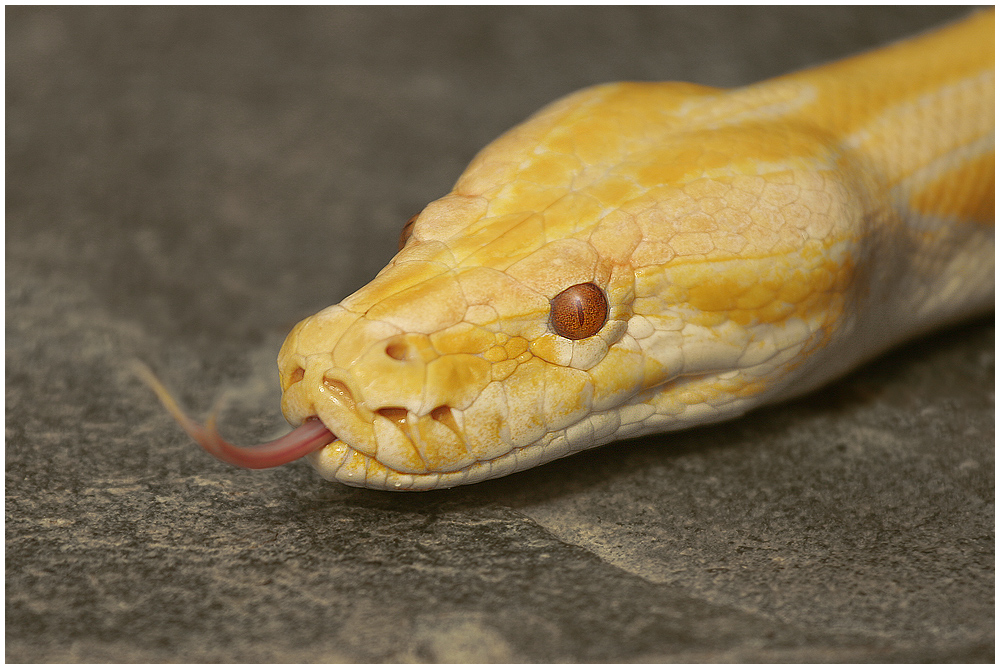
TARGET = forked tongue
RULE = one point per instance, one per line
(311, 436)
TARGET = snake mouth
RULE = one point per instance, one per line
(336, 460)
(341, 462)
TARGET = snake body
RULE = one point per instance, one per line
(748, 246)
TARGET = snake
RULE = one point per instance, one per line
(642, 257)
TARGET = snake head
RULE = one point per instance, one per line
(602, 271)
(448, 370)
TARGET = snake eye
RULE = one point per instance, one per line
(407, 230)
(579, 311)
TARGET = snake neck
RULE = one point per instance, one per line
(917, 121)
(920, 113)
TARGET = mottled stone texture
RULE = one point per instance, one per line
(185, 184)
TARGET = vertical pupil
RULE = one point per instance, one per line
(578, 312)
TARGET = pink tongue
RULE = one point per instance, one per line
(311, 436)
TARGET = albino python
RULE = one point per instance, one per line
(642, 257)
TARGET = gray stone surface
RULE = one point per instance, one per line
(185, 184)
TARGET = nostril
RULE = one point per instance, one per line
(395, 414)
(397, 350)
(296, 375)
(339, 391)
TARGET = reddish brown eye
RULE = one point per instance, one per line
(579, 311)
(407, 230)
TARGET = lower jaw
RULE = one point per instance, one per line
(338, 461)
